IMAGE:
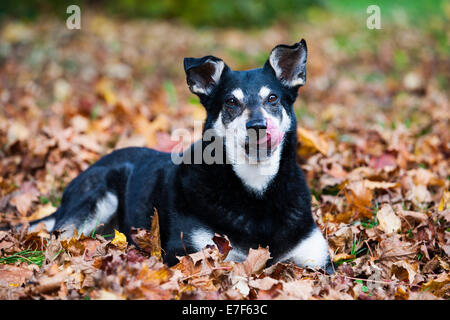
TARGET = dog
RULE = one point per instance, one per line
(253, 191)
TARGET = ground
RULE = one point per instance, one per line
(373, 142)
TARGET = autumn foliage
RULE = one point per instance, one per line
(373, 143)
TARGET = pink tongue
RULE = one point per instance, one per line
(273, 135)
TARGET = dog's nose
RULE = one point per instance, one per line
(256, 124)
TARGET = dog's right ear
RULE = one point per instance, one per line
(203, 74)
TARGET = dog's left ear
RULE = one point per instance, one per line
(203, 74)
(289, 63)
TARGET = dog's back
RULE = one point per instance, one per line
(95, 200)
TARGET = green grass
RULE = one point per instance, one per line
(369, 224)
(29, 256)
(364, 288)
(355, 245)
(53, 198)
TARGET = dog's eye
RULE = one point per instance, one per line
(232, 102)
(272, 98)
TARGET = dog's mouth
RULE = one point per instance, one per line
(263, 144)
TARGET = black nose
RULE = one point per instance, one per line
(256, 124)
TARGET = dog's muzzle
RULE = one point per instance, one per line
(263, 137)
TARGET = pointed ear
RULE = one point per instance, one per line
(203, 74)
(289, 63)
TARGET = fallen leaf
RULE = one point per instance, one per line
(120, 240)
(380, 184)
(445, 201)
(149, 241)
(255, 262)
(223, 244)
(27, 194)
(402, 270)
(265, 283)
(438, 286)
(42, 212)
(343, 256)
(300, 289)
(15, 276)
(389, 222)
(313, 140)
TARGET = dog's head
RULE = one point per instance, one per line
(251, 110)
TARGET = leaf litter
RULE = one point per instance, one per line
(373, 143)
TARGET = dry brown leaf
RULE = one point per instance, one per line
(342, 238)
(402, 270)
(438, 286)
(389, 222)
(265, 283)
(149, 128)
(393, 247)
(380, 184)
(22, 201)
(13, 276)
(255, 262)
(53, 282)
(360, 197)
(419, 216)
(312, 140)
(300, 289)
(149, 241)
(223, 245)
(42, 212)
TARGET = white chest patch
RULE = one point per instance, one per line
(258, 176)
(310, 252)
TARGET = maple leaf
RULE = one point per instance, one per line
(254, 263)
(150, 242)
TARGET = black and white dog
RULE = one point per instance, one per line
(257, 195)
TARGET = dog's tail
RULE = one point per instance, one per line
(48, 221)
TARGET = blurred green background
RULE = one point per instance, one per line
(220, 13)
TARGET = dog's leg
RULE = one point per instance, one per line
(311, 251)
(90, 214)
